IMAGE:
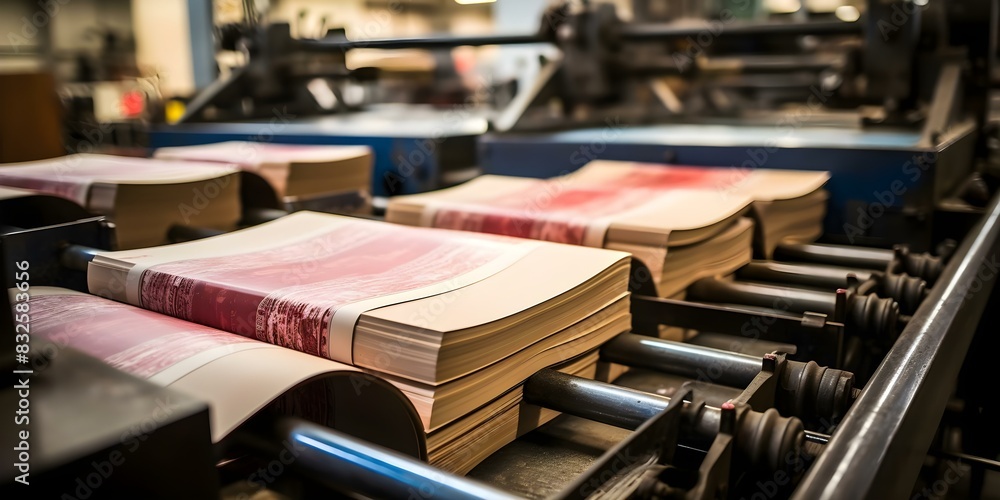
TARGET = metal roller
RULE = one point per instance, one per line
(669, 385)
(356, 467)
(695, 362)
(734, 343)
(900, 259)
(763, 439)
(806, 390)
(443, 42)
(866, 314)
(908, 291)
(77, 257)
(748, 329)
(839, 255)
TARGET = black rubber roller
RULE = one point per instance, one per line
(908, 291)
(873, 317)
(814, 393)
(769, 441)
(922, 265)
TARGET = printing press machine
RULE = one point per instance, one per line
(768, 400)
(800, 387)
(893, 102)
(831, 371)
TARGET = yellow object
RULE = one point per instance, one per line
(173, 111)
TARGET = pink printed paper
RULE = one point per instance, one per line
(133, 340)
(249, 155)
(71, 176)
(666, 177)
(287, 295)
(76, 190)
(561, 211)
(544, 212)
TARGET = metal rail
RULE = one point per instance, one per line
(658, 31)
(878, 449)
(633, 32)
(441, 42)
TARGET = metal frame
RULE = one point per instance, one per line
(879, 448)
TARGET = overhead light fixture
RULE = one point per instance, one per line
(848, 13)
(473, 2)
(782, 6)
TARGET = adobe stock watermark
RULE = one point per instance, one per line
(954, 472)
(899, 17)
(270, 472)
(698, 44)
(132, 439)
(796, 462)
(624, 460)
(588, 152)
(911, 171)
(378, 24)
(202, 196)
(411, 164)
(985, 278)
(786, 127)
(47, 9)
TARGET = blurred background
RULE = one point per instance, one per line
(119, 65)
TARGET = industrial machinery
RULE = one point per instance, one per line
(274, 98)
(827, 372)
(760, 394)
(892, 103)
(892, 100)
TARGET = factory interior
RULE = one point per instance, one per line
(500, 249)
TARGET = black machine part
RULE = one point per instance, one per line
(767, 438)
(806, 390)
(880, 446)
(814, 335)
(908, 291)
(97, 432)
(899, 260)
(867, 315)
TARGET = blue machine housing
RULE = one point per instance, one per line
(885, 183)
(415, 150)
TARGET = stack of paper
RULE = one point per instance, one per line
(296, 172)
(681, 236)
(456, 320)
(143, 197)
(789, 205)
